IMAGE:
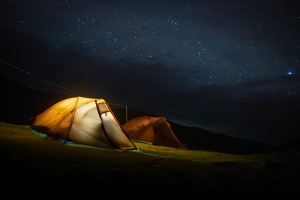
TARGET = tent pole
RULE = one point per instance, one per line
(126, 114)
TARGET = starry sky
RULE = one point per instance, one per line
(228, 66)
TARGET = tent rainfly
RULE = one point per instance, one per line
(85, 121)
(153, 130)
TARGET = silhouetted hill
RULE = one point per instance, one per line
(201, 139)
(20, 104)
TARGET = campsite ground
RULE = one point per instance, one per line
(28, 160)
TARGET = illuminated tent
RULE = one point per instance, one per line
(153, 130)
(85, 121)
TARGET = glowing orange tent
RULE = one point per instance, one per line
(85, 121)
(153, 130)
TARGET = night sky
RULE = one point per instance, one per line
(226, 66)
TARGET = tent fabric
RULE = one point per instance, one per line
(152, 130)
(81, 120)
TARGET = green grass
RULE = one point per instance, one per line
(29, 159)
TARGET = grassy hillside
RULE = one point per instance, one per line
(28, 160)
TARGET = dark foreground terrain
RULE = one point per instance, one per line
(214, 165)
(42, 167)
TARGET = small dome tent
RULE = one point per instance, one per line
(153, 130)
(85, 121)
